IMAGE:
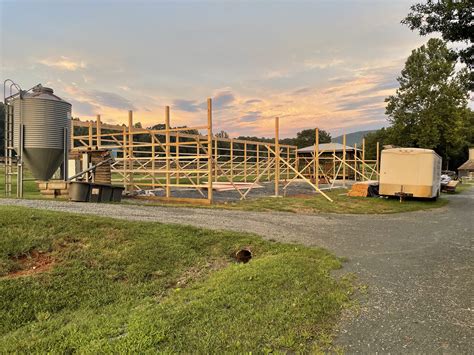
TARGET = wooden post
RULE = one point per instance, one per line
(209, 150)
(288, 159)
(178, 177)
(277, 155)
(316, 157)
(334, 173)
(232, 160)
(355, 162)
(91, 141)
(297, 160)
(363, 156)
(130, 148)
(198, 161)
(216, 157)
(167, 151)
(245, 162)
(344, 160)
(268, 163)
(258, 160)
(377, 168)
(124, 156)
(153, 153)
(99, 132)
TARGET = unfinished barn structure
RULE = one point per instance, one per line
(173, 159)
(61, 153)
(338, 162)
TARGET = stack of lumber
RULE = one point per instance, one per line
(362, 189)
(54, 188)
(103, 174)
(450, 186)
(227, 186)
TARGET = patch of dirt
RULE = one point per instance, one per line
(32, 263)
(196, 273)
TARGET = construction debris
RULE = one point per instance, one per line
(227, 186)
(53, 188)
(450, 186)
(364, 189)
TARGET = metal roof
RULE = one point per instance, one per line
(468, 165)
(326, 147)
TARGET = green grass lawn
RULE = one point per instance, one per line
(119, 286)
(463, 187)
(342, 204)
(316, 203)
(30, 187)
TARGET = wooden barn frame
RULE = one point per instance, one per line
(331, 166)
(178, 158)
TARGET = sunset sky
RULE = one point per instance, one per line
(323, 63)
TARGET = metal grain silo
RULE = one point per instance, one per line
(45, 121)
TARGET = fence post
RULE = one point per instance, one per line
(277, 155)
(130, 148)
(344, 160)
(209, 150)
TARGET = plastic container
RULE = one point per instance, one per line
(80, 191)
(117, 193)
(105, 193)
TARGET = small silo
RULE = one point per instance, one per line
(45, 118)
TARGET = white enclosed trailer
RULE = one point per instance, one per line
(410, 172)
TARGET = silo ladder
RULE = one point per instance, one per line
(9, 150)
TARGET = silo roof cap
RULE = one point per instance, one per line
(42, 92)
(42, 89)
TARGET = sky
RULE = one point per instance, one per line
(326, 64)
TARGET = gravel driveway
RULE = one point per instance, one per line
(418, 266)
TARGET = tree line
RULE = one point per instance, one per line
(430, 109)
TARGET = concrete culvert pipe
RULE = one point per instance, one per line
(243, 255)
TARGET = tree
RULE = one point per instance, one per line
(303, 138)
(222, 134)
(453, 19)
(383, 136)
(430, 108)
(307, 137)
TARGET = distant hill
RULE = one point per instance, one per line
(353, 138)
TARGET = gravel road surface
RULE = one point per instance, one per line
(418, 266)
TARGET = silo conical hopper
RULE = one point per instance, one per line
(46, 120)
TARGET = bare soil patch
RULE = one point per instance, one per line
(32, 263)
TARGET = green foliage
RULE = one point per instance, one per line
(303, 138)
(30, 187)
(383, 136)
(430, 108)
(307, 137)
(136, 287)
(453, 19)
(222, 134)
(256, 139)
